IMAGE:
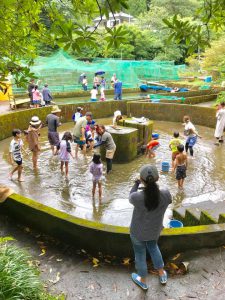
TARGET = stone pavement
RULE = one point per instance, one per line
(74, 275)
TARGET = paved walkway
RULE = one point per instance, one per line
(79, 280)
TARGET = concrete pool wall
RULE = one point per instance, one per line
(95, 236)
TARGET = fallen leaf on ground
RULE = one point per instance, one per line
(43, 251)
(173, 266)
(50, 270)
(176, 256)
(59, 259)
(56, 279)
(95, 262)
(27, 229)
(126, 261)
(115, 287)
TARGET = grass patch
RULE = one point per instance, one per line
(18, 279)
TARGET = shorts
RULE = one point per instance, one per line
(174, 155)
(97, 180)
(181, 172)
(53, 138)
(36, 101)
(110, 153)
(18, 162)
(191, 140)
(78, 141)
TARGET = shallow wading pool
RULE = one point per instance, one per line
(204, 182)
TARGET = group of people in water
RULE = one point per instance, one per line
(150, 202)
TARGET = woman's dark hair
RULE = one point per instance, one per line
(36, 87)
(151, 194)
(67, 136)
(96, 159)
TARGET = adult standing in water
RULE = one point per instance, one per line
(107, 140)
(79, 132)
(191, 133)
(47, 97)
(150, 205)
(30, 88)
(118, 90)
(53, 123)
(220, 124)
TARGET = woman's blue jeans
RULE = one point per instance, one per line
(140, 255)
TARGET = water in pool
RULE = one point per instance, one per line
(204, 182)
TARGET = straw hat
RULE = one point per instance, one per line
(35, 121)
(55, 109)
(5, 192)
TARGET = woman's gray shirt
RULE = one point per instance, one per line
(147, 225)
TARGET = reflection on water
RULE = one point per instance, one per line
(204, 182)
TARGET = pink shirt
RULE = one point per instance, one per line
(36, 94)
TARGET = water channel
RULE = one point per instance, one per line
(204, 182)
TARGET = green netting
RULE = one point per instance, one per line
(61, 71)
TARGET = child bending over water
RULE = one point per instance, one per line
(96, 168)
(65, 152)
(180, 166)
(152, 146)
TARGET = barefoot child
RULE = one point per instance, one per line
(33, 133)
(15, 150)
(173, 146)
(152, 146)
(180, 166)
(96, 171)
(65, 152)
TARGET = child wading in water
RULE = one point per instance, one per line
(173, 146)
(180, 166)
(15, 150)
(96, 171)
(65, 152)
(152, 146)
(33, 138)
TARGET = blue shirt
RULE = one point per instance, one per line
(118, 87)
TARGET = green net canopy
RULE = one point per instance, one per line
(61, 71)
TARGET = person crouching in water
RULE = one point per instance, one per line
(96, 169)
(150, 205)
(180, 166)
(152, 146)
(65, 152)
(33, 133)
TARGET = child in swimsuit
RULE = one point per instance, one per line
(180, 166)
(152, 146)
(173, 146)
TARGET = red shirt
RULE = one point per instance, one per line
(152, 144)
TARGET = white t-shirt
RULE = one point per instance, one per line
(94, 94)
(189, 126)
(15, 149)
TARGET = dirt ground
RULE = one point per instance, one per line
(71, 272)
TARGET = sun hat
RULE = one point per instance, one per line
(79, 108)
(149, 173)
(55, 109)
(88, 114)
(35, 121)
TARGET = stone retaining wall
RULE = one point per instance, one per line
(204, 116)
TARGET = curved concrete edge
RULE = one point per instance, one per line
(96, 237)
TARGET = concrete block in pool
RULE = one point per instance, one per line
(125, 139)
(144, 129)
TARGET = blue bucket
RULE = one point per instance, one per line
(165, 166)
(208, 79)
(175, 224)
(155, 135)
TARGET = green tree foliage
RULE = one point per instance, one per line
(25, 24)
(196, 33)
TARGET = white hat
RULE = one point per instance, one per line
(35, 121)
(55, 109)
